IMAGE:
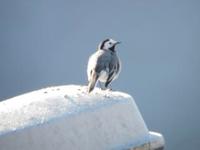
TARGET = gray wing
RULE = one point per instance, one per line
(114, 68)
(103, 62)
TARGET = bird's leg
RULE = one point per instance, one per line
(106, 86)
(109, 89)
(100, 85)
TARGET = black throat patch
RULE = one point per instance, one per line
(112, 48)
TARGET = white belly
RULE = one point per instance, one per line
(103, 76)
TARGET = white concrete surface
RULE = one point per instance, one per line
(156, 140)
(67, 117)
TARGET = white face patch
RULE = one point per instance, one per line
(109, 44)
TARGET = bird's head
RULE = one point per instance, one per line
(108, 44)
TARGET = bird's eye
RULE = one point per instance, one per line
(110, 43)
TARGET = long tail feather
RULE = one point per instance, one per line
(92, 82)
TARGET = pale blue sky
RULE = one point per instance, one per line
(45, 43)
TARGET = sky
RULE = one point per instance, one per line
(47, 43)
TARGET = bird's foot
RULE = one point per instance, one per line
(109, 89)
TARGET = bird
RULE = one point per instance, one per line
(104, 65)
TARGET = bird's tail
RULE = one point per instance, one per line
(92, 81)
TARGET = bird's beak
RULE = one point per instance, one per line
(117, 43)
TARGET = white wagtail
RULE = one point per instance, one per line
(104, 65)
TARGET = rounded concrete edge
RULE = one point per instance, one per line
(157, 141)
